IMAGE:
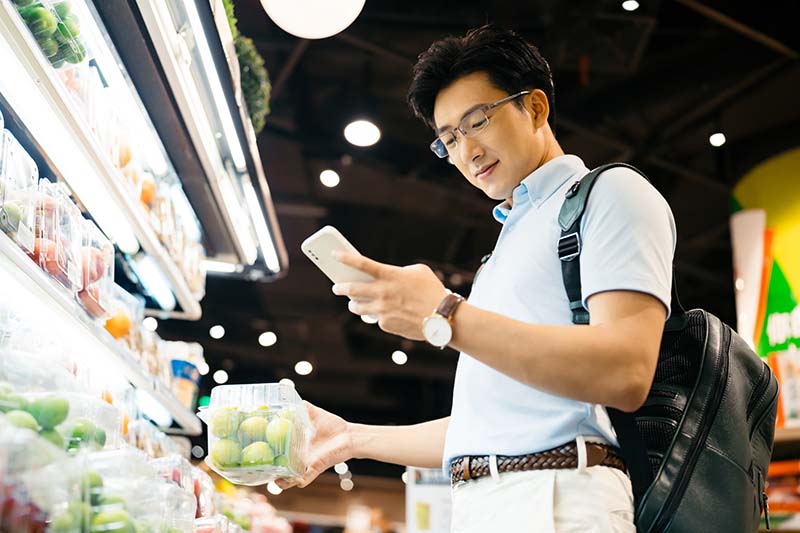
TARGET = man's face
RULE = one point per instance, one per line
(500, 156)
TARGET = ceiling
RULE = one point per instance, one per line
(646, 87)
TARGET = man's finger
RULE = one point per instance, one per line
(360, 262)
(356, 290)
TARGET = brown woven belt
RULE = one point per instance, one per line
(562, 457)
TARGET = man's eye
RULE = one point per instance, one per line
(477, 123)
(449, 141)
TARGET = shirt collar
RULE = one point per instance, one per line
(542, 183)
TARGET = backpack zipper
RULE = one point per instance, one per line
(666, 515)
(764, 498)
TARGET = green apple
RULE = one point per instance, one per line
(252, 430)
(278, 432)
(49, 412)
(258, 453)
(12, 402)
(64, 523)
(224, 422)
(226, 453)
(114, 521)
(281, 460)
(23, 419)
(53, 436)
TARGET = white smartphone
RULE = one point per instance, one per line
(319, 247)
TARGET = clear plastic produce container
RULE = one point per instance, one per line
(204, 492)
(19, 178)
(212, 524)
(127, 313)
(56, 28)
(97, 255)
(72, 421)
(161, 507)
(175, 469)
(256, 433)
(59, 230)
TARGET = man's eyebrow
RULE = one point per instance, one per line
(441, 130)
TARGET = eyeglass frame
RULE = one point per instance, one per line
(484, 109)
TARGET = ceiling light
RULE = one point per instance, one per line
(347, 484)
(330, 16)
(404, 477)
(362, 133)
(303, 368)
(341, 468)
(630, 5)
(154, 281)
(150, 323)
(273, 488)
(262, 230)
(369, 319)
(329, 178)
(220, 377)
(286, 381)
(267, 339)
(203, 368)
(216, 332)
(399, 357)
(739, 284)
(717, 139)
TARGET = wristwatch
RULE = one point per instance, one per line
(438, 328)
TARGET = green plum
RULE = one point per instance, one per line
(288, 414)
(80, 431)
(78, 53)
(100, 436)
(281, 460)
(252, 430)
(53, 436)
(12, 402)
(82, 513)
(39, 20)
(278, 432)
(64, 523)
(23, 419)
(226, 453)
(49, 46)
(258, 453)
(5, 387)
(23, 3)
(63, 9)
(224, 422)
(92, 487)
(11, 214)
(49, 412)
(263, 411)
(114, 521)
(108, 503)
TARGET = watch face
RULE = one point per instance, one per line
(437, 330)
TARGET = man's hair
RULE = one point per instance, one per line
(512, 64)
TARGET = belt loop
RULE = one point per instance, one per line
(580, 444)
(467, 468)
(493, 468)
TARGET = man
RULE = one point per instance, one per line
(529, 384)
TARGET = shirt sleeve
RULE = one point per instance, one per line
(628, 238)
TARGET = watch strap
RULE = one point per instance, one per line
(449, 304)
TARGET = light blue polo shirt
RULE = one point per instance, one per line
(629, 238)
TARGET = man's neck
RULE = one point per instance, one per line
(552, 150)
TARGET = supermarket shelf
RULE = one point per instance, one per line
(46, 292)
(15, 32)
(787, 435)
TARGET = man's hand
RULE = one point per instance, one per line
(330, 445)
(401, 297)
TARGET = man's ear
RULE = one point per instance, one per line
(538, 107)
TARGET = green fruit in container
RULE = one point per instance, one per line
(100, 436)
(108, 503)
(57, 63)
(63, 9)
(226, 453)
(114, 521)
(263, 411)
(53, 436)
(23, 419)
(78, 53)
(64, 523)
(92, 487)
(278, 432)
(23, 3)
(49, 46)
(49, 412)
(10, 213)
(68, 30)
(258, 453)
(39, 20)
(12, 402)
(281, 460)
(224, 422)
(5, 387)
(82, 512)
(81, 430)
(288, 414)
(252, 430)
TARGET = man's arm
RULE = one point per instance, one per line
(336, 440)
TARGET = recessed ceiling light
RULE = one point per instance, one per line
(329, 178)
(273, 488)
(203, 368)
(220, 377)
(347, 484)
(341, 468)
(630, 5)
(267, 339)
(362, 133)
(150, 323)
(717, 139)
(216, 332)
(399, 357)
(303, 368)
(329, 17)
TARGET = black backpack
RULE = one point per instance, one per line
(699, 448)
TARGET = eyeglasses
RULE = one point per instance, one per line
(469, 126)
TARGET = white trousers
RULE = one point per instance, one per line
(595, 500)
